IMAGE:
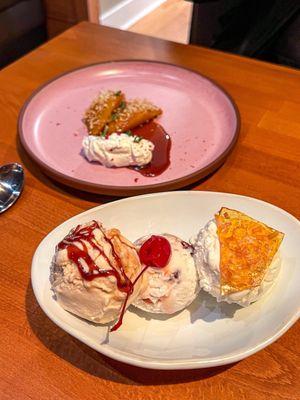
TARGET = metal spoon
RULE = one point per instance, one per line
(11, 184)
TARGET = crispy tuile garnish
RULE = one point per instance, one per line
(132, 114)
(247, 248)
(99, 113)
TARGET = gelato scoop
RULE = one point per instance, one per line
(170, 277)
(94, 273)
(237, 257)
(118, 150)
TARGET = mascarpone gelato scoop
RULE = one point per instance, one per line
(92, 273)
(207, 259)
(118, 150)
(171, 288)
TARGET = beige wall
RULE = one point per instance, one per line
(107, 5)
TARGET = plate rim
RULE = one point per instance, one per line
(161, 364)
(128, 190)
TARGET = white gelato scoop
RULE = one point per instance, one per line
(171, 288)
(207, 259)
(118, 150)
(92, 273)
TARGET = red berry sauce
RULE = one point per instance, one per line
(161, 154)
(82, 259)
(155, 252)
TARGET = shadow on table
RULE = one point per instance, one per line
(90, 361)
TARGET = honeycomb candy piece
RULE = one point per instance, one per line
(247, 248)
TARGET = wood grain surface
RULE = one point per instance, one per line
(170, 21)
(60, 15)
(38, 359)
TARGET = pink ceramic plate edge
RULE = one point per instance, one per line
(128, 189)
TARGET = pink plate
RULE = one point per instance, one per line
(201, 119)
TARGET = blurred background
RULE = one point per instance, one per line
(263, 29)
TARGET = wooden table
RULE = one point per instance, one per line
(39, 360)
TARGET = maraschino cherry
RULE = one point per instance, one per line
(155, 252)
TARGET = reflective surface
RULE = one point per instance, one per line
(11, 184)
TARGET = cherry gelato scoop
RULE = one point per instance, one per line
(170, 278)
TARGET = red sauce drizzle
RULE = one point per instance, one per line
(161, 154)
(82, 260)
(154, 252)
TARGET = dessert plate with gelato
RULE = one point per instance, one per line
(83, 128)
(173, 280)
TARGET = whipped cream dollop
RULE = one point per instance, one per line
(118, 150)
(207, 259)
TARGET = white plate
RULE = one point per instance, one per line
(207, 333)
